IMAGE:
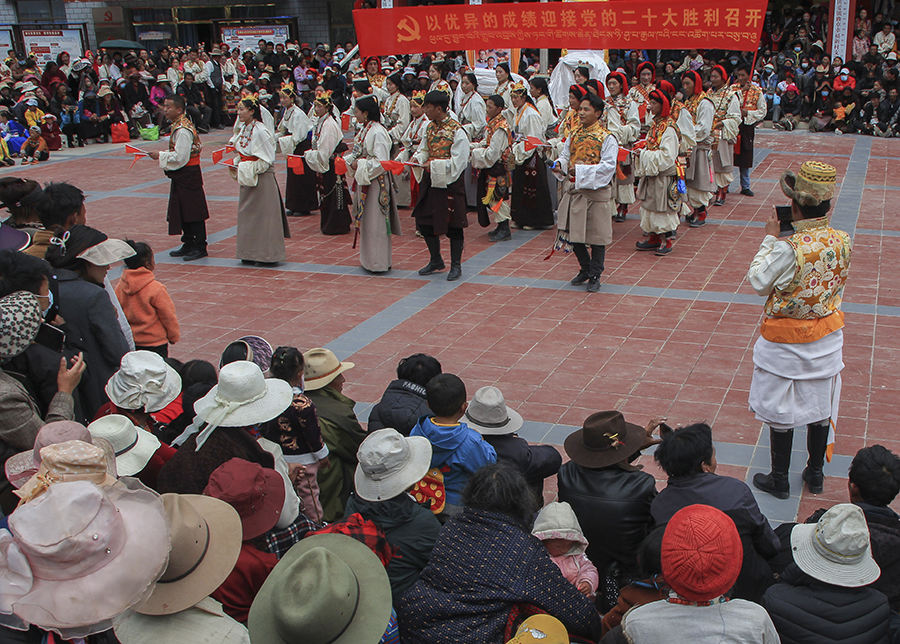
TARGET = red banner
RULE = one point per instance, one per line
(651, 24)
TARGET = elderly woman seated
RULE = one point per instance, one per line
(486, 570)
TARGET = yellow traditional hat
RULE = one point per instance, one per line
(418, 96)
(813, 185)
(518, 88)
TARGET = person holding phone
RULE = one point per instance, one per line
(798, 359)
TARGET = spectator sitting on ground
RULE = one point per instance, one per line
(389, 466)
(688, 457)
(457, 450)
(701, 560)
(485, 566)
(610, 496)
(822, 596)
(557, 527)
(403, 402)
(488, 415)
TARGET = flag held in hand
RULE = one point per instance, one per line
(532, 142)
(340, 166)
(217, 155)
(396, 167)
(295, 163)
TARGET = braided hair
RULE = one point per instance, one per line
(287, 362)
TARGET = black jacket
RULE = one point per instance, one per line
(536, 462)
(192, 95)
(411, 528)
(613, 508)
(401, 407)
(807, 611)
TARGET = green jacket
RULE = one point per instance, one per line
(343, 434)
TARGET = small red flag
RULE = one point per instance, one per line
(295, 163)
(229, 149)
(345, 121)
(340, 166)
(642, 110)
(217, 155)
(130, 149)
(623, 155)
(392, 166)
(532, 142)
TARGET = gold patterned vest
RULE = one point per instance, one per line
(693, 103)
(185, 122)
(586, 144)
(721, 99)
(823, 260)
(439, 137)
(495, 125)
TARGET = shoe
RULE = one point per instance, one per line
(502, 233)
(436, 262)
(513, 224)
(652, 242)
(778, 126)
(699, 221)
(593, 285)
(618, 218)
(195, 254)
(747, 192)
(454, 273)
(289, 213)
(180, 252)
(665, 247)
(580, 279)
(203, 130)
(776, 482)
(816, 443)
(456, 250)
(431, 268)
(528, 228)
(248, 262)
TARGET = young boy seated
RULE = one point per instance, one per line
(34, 150)
(457, 450)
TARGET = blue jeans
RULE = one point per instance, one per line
(745, 178)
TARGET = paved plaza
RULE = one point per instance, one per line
(666, 336)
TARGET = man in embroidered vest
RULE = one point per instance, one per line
(726, 120)
(798, 359)
(188, 211)
(753, 111)
(586, 168)
(441, 207)
(490, 157)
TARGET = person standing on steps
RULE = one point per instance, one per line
(799, 358)
(441, 207)
(490, 157)
(188, 210)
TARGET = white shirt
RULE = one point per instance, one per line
(597, 175)
(177, 158)
(773, 267)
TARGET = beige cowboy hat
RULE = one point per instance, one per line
(813, 185)
(321, 367)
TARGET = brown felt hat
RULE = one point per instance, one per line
(604, 439)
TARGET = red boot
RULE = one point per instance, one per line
(665, 246)
(699, 219)
(651, 243)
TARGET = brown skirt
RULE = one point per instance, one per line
(187, 201)
(262, 225)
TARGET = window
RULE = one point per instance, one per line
(40, 10)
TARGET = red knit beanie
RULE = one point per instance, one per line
(701, 553)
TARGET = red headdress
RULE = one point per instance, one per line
(661, 97)
(721, 70)
(578, 91)
(698, 81)
(667, 87)
(647, 65)
(597, 86)
(619, 76)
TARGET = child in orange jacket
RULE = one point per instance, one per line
(146, 303)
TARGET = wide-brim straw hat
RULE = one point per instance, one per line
(339, 590)
(121, 535)
(144, 382)
(321, 367)
(814, 184)
(488, 414)
(107, 252)
(133, 447)
(604, 439)
(206, 543)
(836, 549)
(245, 396)
(390, 464)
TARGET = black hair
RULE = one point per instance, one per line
(21, 272)
(445, 394)
(60, 201)
(584, 71)
(684, 451)
(875, 470)
(362, 86)
(595, 102)
(369, 106)
(253, 105)
(541, 84)
(15, 190)
(287, 362)
(65, 255)
(177, 101)
(186, 74)
(237, 350)
(744, 67)
(497, 100)
(500, 488)
(197, 371)
(438, 99)
(816, 211)
(441, 68)
(141, 258)
(472, 79)
(649, 554)
(397, 80)
(419, 368)
(504, 67)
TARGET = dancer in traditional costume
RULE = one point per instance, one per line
(726, 121)
(531, 205)
(799, 357)
(473, 118)
(437, 72)
(327, 143)
(699, 177)
(655, 164)
(406, 185)
(188, 211)
(294, 126)
(376, 210)
(504, 87)
(640, 93)
(441, 208)
(262, 225)
(587, 168)
(490, 157)
(753, 111)
(373, 72)
(621, 118)
(540, 92)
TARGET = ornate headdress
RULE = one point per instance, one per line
(418, 97)
(324, 97)
(518, 88)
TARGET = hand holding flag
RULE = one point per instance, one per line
(295, 163)
(532, 142)
(137, 152)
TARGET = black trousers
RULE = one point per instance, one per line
(193, 234)
(590, 262)
(200, 115)
(452, 232)
(215, 104)
(162, 350)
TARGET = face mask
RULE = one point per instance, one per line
(49, 304)
(825, 94)
(844, 77)
(798, 49)
(804, 65)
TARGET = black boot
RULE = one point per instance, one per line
(181, 252)
(456, 249)
(776, 482)
(584, 264)
(436, 263)
(816, 442)
(502, 232)
(598, 254)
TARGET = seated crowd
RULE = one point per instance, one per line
(146, 499)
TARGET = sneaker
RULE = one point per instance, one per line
(778, 125)
(593, 285)
(580, 279)
(747, 192)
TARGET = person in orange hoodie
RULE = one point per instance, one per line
(146, 303)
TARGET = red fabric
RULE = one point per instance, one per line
(701, 553)
(840, 85)
(239, 589)
(149, 474)
(170, 412)
(663, 98)
(646, 65)
(364, 531)
(623, 81)
(698, 82)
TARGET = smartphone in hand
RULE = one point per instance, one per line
(785, 218)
